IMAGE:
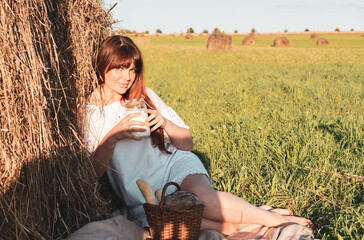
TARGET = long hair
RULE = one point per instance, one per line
(120, 51)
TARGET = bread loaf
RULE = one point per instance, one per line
(158, 194)
(181, 199)
(147, 192)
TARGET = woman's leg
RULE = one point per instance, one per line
(224, 228)
(225, 207)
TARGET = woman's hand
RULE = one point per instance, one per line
(155, 120)
(181, 137)
(126, 127)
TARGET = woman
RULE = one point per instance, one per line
(165, 155)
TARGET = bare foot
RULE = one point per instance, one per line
(286, 217)
(287, 220)
(282, 211)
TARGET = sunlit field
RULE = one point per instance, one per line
(277, 126)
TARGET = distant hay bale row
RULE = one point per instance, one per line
(223, 41)
(219, 41)
(47, 184)
(281, 42)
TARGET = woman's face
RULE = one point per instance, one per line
(118, 81)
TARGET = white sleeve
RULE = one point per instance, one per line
(92, 134)
(166, 111)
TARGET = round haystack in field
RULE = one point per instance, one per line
(219, 41)
(188, 36)
(314, 36)
(322, 42)
(249, 40)
(281, 42)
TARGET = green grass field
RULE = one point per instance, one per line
(276, 126)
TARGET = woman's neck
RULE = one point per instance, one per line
(100, 97)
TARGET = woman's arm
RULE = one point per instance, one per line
(104, 151)
(181, 137)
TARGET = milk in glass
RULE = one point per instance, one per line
(138, 106)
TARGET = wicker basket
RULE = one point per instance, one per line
(169, 223)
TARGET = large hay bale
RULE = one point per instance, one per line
(188, 36)
(322, 42)
(249, 40)
(219, 41)
(281, 42)
(47, 184)
(314, 36)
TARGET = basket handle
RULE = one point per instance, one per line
(164, 191)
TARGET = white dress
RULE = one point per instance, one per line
(133, 160)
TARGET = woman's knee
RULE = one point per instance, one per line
(200, 185)
(196, 182)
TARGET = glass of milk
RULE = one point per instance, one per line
(138, 106)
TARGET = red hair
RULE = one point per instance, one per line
(120, 51)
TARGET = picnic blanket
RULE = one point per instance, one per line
(119, 227)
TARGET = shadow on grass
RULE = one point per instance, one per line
(204, 159)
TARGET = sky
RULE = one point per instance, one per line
(265, 16)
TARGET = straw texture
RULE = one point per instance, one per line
(48, 187)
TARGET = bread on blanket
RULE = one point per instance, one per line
(147, 192)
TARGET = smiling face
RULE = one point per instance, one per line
(119, 69)
(118, 81)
